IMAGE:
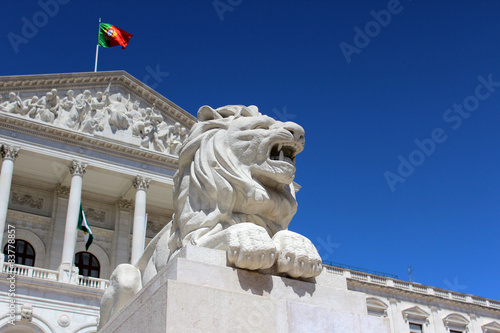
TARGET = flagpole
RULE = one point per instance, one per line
(97, 45)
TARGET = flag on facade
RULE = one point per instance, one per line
(110, 36)
(84, 226)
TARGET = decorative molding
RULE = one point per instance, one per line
(141, 183)
(85, 141)
(393, 301)
(95, 215)
(9, 152)
(26, 312)
(154, 226)
(96, 80)
(468, 304)
(78, 168)
(126, 205)
(63, 320)
(456, 321)
(376, 307)
(62, 191)
(493, 327)
(103, 109)
(17, 215)
(434, 309)
(27, 199)
(416, 315)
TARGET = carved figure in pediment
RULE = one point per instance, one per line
(118, 113)
(15, 105)
(182, 138)
(69, 116)
(90, 120)
(47, 107)
(100, 101)
(173, 140)
(32, 106)
(83, 102)
(135, 114)
(149, 130)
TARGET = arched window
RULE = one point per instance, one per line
(24, 252)
(87, 264)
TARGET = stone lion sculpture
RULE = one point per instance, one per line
(233, 191)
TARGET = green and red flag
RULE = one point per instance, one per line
(110, 36)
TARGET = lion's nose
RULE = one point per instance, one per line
(296, 130)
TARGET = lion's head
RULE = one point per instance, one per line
(235, 166)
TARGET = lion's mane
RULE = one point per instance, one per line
(214, 190)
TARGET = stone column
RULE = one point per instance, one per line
(9, 154)
(75, 194)
(139, 232)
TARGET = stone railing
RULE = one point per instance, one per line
(50, 275)
(92, 282)
(32, 272)
(413, 287)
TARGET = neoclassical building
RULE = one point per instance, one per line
(109, 142)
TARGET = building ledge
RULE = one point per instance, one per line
(370, 281)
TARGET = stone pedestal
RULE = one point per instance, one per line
(197, 292)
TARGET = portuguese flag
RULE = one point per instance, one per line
(110, 36)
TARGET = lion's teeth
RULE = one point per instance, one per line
(280, 146)
(282, 155)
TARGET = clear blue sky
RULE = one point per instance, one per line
(362, 117)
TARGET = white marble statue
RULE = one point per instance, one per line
(15, 105)
(233, 191)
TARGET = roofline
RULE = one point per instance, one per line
(97, 80)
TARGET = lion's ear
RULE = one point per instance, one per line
(207, 113)
(250, 111)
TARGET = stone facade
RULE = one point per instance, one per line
(124, 131)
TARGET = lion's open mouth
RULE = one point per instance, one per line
(284, 151)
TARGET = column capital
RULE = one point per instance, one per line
(78, 168)
(9, 152)
(141, 183)
(125, 205)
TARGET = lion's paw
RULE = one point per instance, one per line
(250, 247)
(297, 256)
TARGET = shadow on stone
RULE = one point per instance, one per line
(300, 288)
(255, 282)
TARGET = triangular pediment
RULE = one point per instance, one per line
(416, 315)
(110, 107)
(493, 327)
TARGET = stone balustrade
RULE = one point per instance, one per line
(50, 275)
(92, 282)
(95, 283)
(408, 286)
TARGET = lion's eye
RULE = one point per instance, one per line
(261, 126)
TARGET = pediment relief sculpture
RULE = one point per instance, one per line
(101, 113)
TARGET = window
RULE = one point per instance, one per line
(25, 254)
(415, 328)
(87, 264)
(456, 331)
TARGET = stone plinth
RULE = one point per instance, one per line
(197, 292)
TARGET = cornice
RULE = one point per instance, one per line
(96, 80)
(18, 215)
(366, 286)
(86, 141)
